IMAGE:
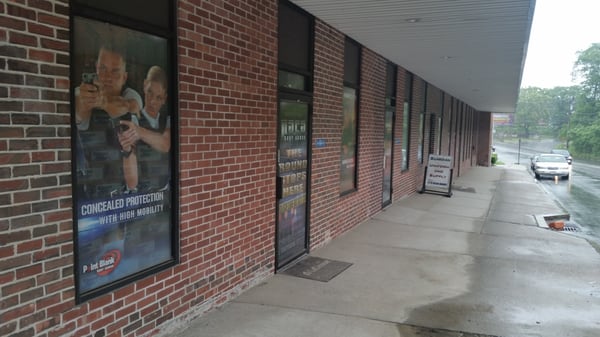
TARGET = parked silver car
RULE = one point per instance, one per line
(551, 165)
(564, 153)
(532, 162)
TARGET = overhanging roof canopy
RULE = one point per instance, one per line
(472, 49)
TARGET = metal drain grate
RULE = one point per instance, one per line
(568, 225)
(572, 227)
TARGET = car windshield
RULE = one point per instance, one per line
(552, 159)
(563, 152)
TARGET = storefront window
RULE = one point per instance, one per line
(349, 153)
(124, 183)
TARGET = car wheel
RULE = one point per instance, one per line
(537, 176)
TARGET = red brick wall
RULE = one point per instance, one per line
(471, 139)
(465, 159)
(434, 109)
(408, 181)
(484, 137)
(371, 133)
(445, 113)
(36, 247)
(327, 125)
(402, 181)
(416, 109)
(332, 214)
(227, 116)
(227, 145)
(228, 127)
(458, 133)
(458, 146)
(467, 155)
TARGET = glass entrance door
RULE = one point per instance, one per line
(292, 171)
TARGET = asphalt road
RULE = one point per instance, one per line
(579, 196)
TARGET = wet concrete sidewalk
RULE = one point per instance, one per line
(475, 264)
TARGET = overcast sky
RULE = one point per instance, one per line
(560, 29)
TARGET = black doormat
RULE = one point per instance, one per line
(316, 268)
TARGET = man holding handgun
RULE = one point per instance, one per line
(102, 102)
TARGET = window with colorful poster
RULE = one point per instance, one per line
(348, 154)
(123, 156)
(292, 183)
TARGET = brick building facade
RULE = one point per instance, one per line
(227, 148)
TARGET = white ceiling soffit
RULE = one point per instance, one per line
(472, 49)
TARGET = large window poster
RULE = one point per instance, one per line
(123, 186)
(348, 156)
(292, 175)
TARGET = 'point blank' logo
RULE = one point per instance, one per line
(109, 262)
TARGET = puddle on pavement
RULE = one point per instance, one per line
(414, 331)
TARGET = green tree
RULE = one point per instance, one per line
(561, 107)
(533, 111)
(587, 68)
(584, 130)
(586, 141)
(571, 114)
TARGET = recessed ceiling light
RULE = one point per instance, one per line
(413, 20)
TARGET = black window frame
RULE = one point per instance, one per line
(308, 71)
(390, 105)
(407, 119)
(440, 132)
(422, 121)
(168, 31)
(351, 80)
(305, 95)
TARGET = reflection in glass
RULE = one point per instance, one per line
(348, 154)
